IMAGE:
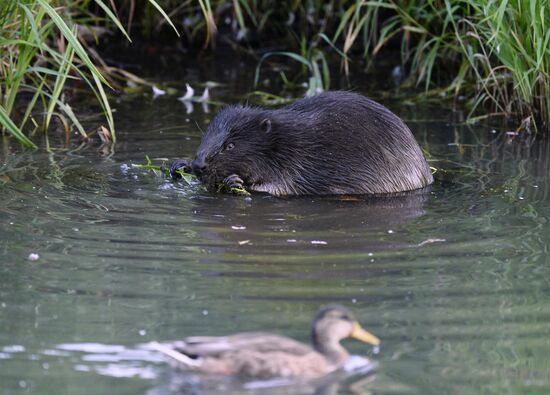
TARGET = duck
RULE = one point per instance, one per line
(262, 355)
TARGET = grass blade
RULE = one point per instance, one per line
(6, 122)
(164, 15)
(113, 18)
(106, 107)
(72, 39)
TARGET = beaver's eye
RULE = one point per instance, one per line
(229, 146)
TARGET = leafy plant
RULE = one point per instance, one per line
(314, 64)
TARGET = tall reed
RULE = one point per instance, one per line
(498, 52)
(41, 50)
(495, 52)
(508, 47)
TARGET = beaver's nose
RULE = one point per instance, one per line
(198, 166)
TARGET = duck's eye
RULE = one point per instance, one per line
(229, 146)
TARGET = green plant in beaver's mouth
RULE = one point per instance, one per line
(234, 190)
(239, 191)
(187, 177)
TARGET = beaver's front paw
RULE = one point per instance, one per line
(178, 164)
(233, 182)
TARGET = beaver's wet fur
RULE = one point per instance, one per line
(334, 143)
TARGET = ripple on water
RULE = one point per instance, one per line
(455, 280)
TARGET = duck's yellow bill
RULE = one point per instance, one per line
(364, 336)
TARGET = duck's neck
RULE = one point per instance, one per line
(331, 349)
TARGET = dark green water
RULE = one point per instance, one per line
(456, 281)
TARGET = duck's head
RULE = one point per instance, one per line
(332, 324)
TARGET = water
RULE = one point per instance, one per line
(454, 281)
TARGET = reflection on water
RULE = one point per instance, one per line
(143, 362)
(454, 280)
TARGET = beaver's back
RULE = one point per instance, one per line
(345, 143)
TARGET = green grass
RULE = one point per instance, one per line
(495, 53)
(511, 59)
(314, 67)
(164, 170)
(33, 63)
(40, 54)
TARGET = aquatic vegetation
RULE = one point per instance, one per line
(511, 60)
(495, 53)
(43, 48)
(165, 171)
(234, 190)
(187, 177)
(40, 53)
(315, 67)
(498, 53)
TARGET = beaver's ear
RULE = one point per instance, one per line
(265, 126)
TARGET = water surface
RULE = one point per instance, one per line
(455, 281)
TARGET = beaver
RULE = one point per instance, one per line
(337, 142)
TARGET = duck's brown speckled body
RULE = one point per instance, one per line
(265, 355)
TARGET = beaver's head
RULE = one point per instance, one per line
(239, 140)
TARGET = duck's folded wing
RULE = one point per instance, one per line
(200, 346)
